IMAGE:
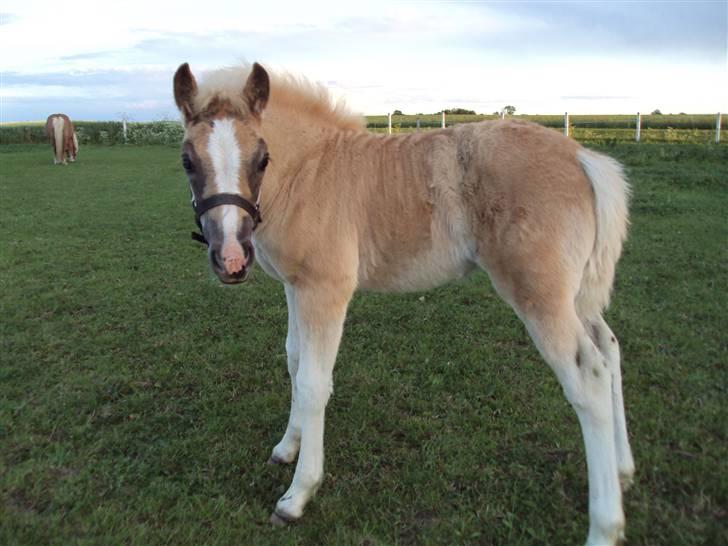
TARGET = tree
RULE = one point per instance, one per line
(656, 112)
(459, 112)
(509, 110)
(397, 113)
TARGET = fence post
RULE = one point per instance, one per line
(566, 123)
(717, 129)
(639, 128)
(443, 119)
(123, 124)
(418, 124)
(389, 123)
(503, 114)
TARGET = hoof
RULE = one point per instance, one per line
(626, 481)
(276, 461)
(280, 520)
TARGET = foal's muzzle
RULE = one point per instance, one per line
(218, 265)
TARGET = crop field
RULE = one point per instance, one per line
(610, 129)
(140, 399)
(656, 121)
(682, 128)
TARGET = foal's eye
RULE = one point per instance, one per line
(187, 163)
(264, 162)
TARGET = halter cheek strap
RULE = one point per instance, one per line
(224, 199)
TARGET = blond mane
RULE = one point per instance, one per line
(294, 92)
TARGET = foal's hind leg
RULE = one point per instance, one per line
(587, 383)
(606, 341)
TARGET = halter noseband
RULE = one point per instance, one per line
(224, 199)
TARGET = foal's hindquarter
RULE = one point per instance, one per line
(412, 212)
(62, 136)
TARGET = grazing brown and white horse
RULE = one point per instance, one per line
(279, 173)
(63, 138)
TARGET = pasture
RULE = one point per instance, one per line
(140, 399)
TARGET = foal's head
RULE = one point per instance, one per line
(225, 160)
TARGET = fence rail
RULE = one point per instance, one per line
(699, 128)
(654, 121)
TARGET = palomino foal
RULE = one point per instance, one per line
(339, 209)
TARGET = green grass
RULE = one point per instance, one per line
(139, 398)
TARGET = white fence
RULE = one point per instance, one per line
(637, 133)
(717, 128)
(638, 126)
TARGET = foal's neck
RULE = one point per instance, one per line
(293, 139)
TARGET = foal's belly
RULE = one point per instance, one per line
(397, 270)
(428, 269)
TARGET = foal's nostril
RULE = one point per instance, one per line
(216, 261)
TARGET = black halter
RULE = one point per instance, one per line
(223, 199)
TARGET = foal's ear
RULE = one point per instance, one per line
(185, 89)
(257, 90)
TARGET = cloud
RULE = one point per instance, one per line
(7, 18)
(89, 55)
(100, 94)
(624, 28)
(37, 109)
(412, 56)
(596, 97)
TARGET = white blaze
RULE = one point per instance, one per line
(225, 156)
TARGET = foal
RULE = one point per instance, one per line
(340, 209)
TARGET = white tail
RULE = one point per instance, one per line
(73, 152)
(58, 138)
(611, 195)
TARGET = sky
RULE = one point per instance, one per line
(97, 60)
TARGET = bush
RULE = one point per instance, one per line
(98, 132)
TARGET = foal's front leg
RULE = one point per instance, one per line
(320, 314)
(287, 449)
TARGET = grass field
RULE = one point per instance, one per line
(139, 398)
